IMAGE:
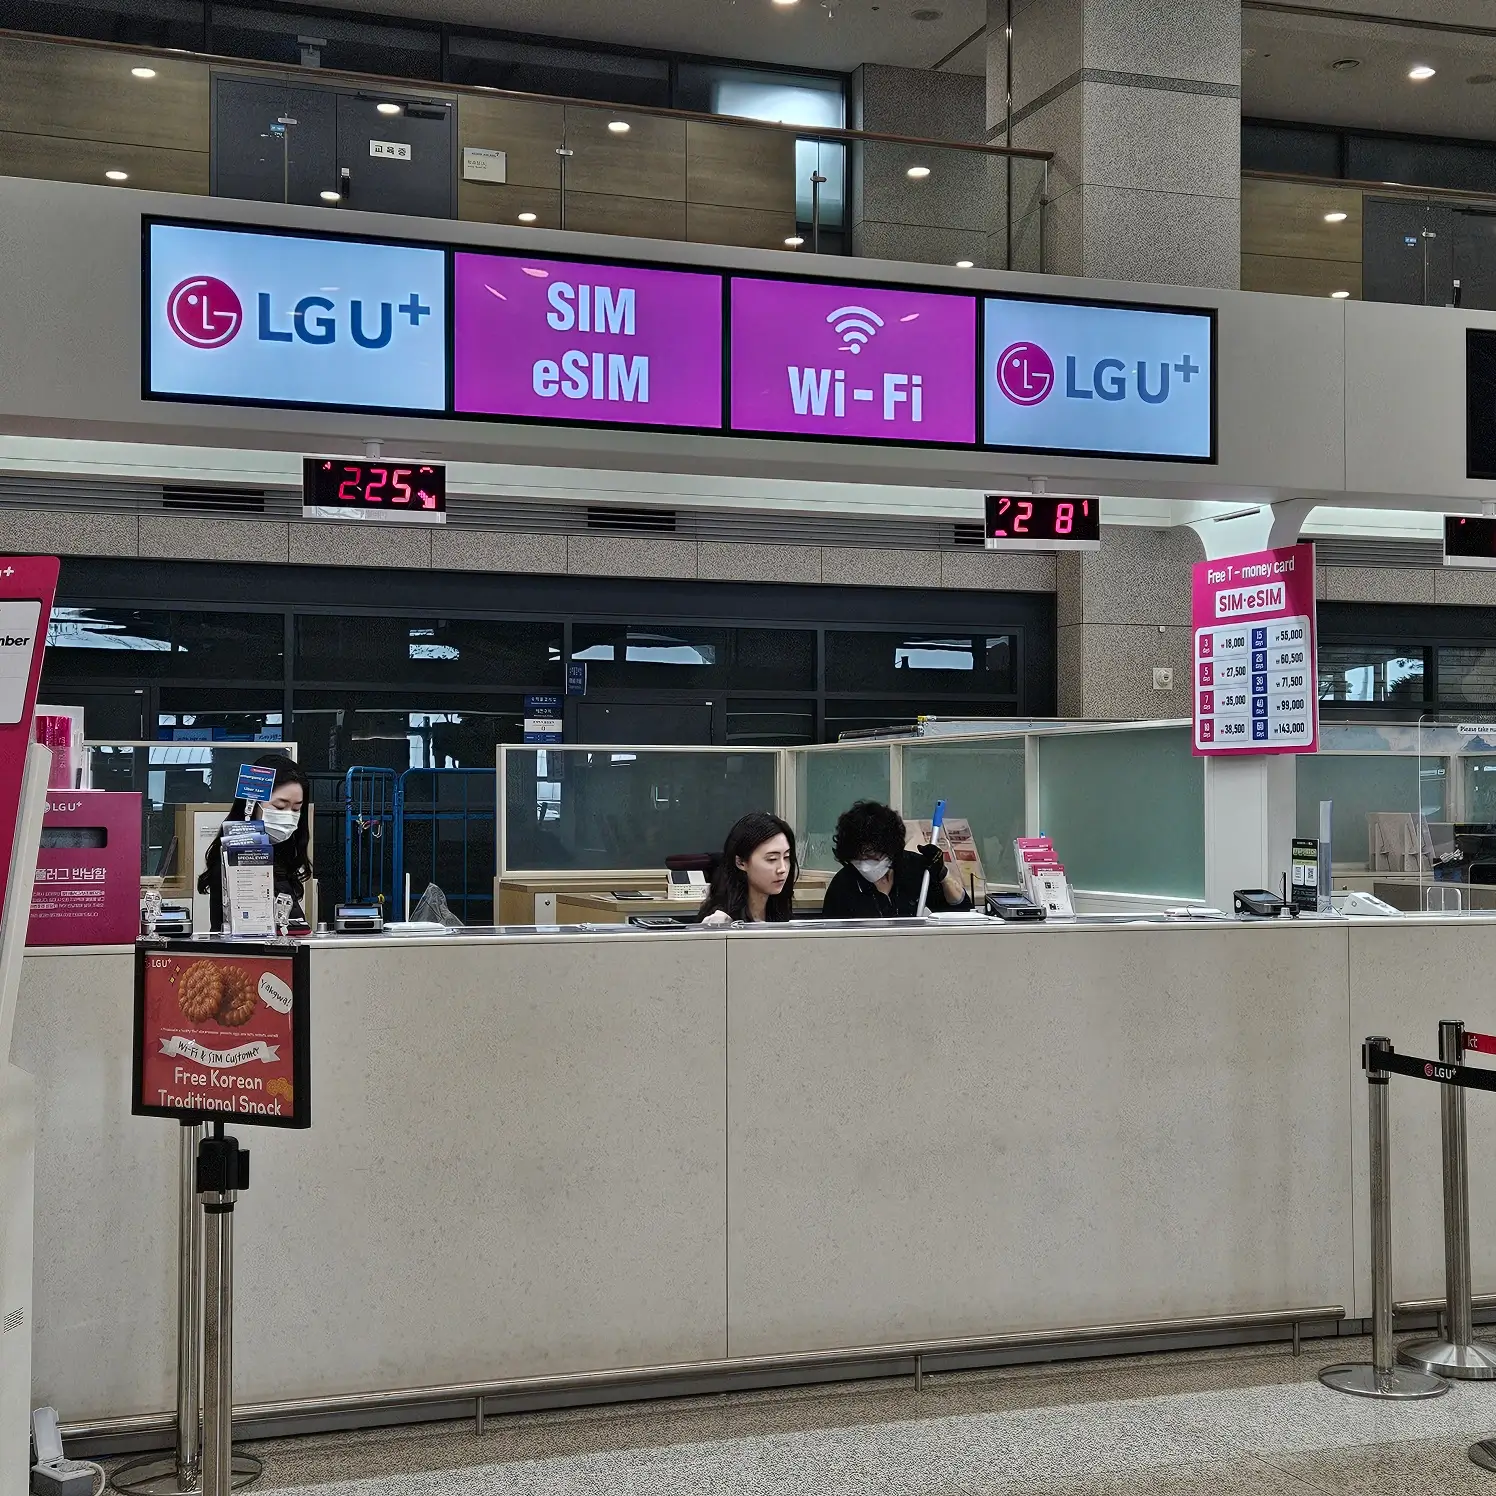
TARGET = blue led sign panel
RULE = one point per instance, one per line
(1098, 379)
(287, 319)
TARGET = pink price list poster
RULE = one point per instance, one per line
(571, 340)
(1255, 685)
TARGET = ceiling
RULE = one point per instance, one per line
(832, 34)
(1287, 70)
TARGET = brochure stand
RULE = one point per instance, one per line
(221, 1031)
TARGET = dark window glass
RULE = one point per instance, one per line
(335, 731)
(844, 715)
(1292, 148)
(936, 661)
(135, 644)
(192, 715)
(141, 23)
(669, 656)
(1371, 672)
(452, 651)
(393, 50)
(770, 724)
(1424, 163)
(569, 72)
(1467, 675)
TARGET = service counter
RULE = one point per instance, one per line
(539, 1153)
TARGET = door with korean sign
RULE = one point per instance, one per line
(396, 162)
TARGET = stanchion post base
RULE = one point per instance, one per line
(156, 1475)
(1484, 1454)
(1475, 1362)
(1397, 1385)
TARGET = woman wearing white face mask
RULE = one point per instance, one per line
(284, 815)
(880, 878)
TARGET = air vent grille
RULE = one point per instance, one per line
(214, 500)
(14, 1320)
(972, 532)
(1357, 552)
(631, 521)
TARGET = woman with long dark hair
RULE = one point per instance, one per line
(285, 818)
(756, 878)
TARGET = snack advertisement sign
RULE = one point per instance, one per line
(221, 1034)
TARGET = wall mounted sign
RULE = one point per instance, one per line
(222, 1032)
(351, 488)
(543, 720)
(1254, 659)
(320, 321)
(299, 320)
(1097, 380)
(861, 362)
(574, 341)
(1042, 522)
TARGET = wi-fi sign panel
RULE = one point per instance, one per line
(855, 325)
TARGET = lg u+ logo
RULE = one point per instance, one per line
(207, 313)
(1026, 375)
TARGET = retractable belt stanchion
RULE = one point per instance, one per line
(1383, 1377)
(1461, 1355)
(222, 1172)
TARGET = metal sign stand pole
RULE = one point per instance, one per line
(1461, 1356)
(1383, 1377)
(222, 1171)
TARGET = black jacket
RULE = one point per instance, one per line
(851, 896)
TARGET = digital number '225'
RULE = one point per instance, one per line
(396, 480)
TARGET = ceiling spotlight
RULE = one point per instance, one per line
(786, 2)
(618, 126)
(1335, 217)
(142, 72)
(331, 197)
(527, 218)
(118, 176)
(388, 108)
(917, 173)
(1340, 295)
(794, 241)
(1421, 72)
(965, 264)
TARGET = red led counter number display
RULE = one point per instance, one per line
(1041, 522)
(347, 484)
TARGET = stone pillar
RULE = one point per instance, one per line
(1121, 613)
(1140, 100)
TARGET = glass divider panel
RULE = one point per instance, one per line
(826, 784)
(980, 782)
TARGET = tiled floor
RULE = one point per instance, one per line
(1208, 1423)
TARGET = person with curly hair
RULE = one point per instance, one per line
(879, 878)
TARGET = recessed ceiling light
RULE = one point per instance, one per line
(786, 2)
(527, 218)
(1335, 217)
(1345, 65)
(619, 126)
(388, 108)
(331, 197)
(794, 241)
(918, 173)
(965, 264)
(142, 72)
(118, 176)
(1421, 72)
(1478, 79)
(1340, 295)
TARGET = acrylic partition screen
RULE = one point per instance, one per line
(170, 778)
(1370, 790)
(1126, 810)
(827, 781)
(982, 783)
(583, 809)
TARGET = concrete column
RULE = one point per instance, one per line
(1140, 100)
(1121, 613)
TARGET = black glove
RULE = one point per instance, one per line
(934, 861)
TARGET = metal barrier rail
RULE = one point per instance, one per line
(362, 1409)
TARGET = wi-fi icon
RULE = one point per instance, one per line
(855, 325)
